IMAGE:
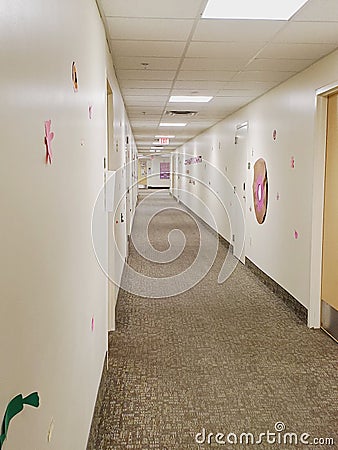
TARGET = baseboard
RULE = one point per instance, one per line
(94, 429)
(300, 311)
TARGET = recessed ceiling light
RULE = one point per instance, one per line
(172, 124)
(153, 151)
(189, 99)
(249, 9)
(162, 136)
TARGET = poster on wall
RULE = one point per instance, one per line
(165, 170)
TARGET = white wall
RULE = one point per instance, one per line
(51, 284)
(291, 110)
(153, 166)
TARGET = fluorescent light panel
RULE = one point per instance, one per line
(249, 9)
(172, 124)
(189, 99)
(157, 148)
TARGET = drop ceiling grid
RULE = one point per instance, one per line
(234, 63)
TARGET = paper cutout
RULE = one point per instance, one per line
(292, 162)
(260, 190)
(90, 112)
(14, 407)
(49, 136)
(274, 135)
(93, 323)
(296, 234)
(74, 77)
(165, 170)
(277, 196)
(194, 160)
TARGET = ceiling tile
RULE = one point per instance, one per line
(318, 11)
(148, 93)
(245, 50)
(151, 8)
(135, 63)
(292, 65)
(309, 32)
(256, 75)
(205, 75)
(163, 49)
(296, 51)
(207, 92)
(216, 64)
(146, 74)
(145, 100)
(149, 29)
(141, 125)
(200, 84)
(240, 92)
(237, 30)
(230, 101)
(147, 84)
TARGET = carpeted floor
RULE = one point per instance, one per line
(228, 358)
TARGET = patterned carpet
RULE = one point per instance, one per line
(228, 358)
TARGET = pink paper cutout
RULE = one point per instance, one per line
(90, 111)
(259, 185)
(92, 324)
(296, 234)
(292, 162)
(49, 135)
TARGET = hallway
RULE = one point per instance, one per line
(229, 358)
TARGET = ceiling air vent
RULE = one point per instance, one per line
(181, 113)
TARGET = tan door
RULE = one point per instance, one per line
(142, 172)
(330, 234)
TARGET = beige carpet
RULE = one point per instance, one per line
(228, 358)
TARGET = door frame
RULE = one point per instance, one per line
(322, 94)
(241, 192)
(111, 288)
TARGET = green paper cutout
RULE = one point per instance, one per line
(14, 407)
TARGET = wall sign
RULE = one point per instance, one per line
(194, 160)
